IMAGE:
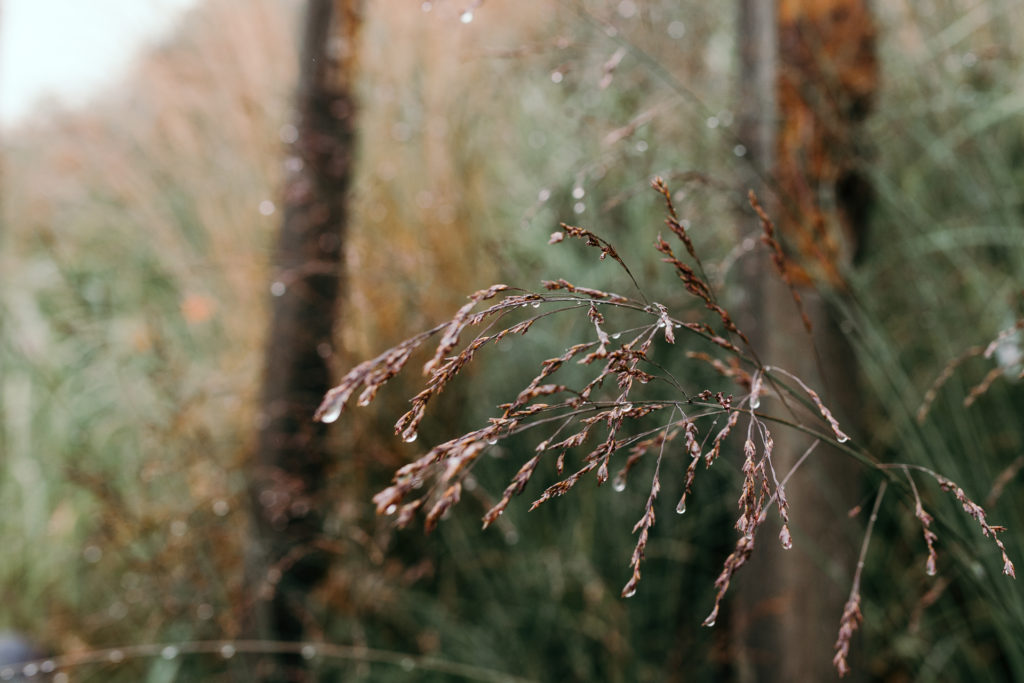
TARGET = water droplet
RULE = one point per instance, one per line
(30, 670)
(331, 414)
(492, 442)
(681, 506)
(288, 133)
(629, 593)
(278, 288)
(929, 567)
(578, 192)
(616, 335)
(626, 407)
(48, 666)
(391, 509)
(536, 304)
(363, 401)
(466, 17)
(407, 664)
(785, 538)
(267, 207)
(755, 402)
(619, 484)
(579, 207)
(308, 652)
(227, 651)
(709, 623)
(409, 437)
(842, 438)
(169, 652)
(116, 656)
(544, 195)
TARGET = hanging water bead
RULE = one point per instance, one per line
(619, 483)
(331, 414)
(785, 538)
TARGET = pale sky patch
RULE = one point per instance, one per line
(67, 49)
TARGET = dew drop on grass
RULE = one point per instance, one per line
(842, 438)
(929, 568)
(227, 651)
(616, 335)
(709, 624)
(785, 538)
(169, 652)
(630, 593)
(466, 17)
(681, 506)
(536, 304)
(391, 509)
(619, 484)
(308, 652)
(755, 402)
(409, 437)
(492, 442)
(332, 414)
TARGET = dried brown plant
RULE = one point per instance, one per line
(607, 418)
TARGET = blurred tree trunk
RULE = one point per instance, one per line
(802, 132)
(291, 461)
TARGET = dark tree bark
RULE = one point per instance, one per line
(824, 73)
(290, 466)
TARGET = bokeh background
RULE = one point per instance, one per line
(136, 238)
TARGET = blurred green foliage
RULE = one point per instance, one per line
(133, 291)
